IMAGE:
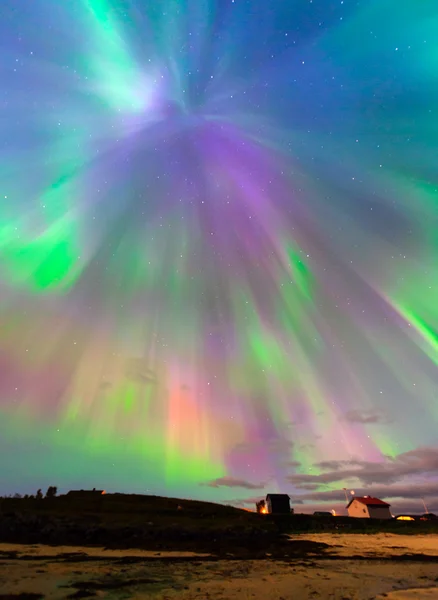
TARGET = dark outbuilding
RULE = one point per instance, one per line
(278, 504)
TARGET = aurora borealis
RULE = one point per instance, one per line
(219, 247)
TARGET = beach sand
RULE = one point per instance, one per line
(354, 567)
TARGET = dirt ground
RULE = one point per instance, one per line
(354, 567)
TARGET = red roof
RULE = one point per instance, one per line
(368, 501)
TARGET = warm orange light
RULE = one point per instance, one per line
(264, 510)
(405, 518)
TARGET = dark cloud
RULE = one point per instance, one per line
(246, 447)
(335, 465)
(412, 491)
(105, 386)
(309, 446)
(231, 482)
(366, 417)
(403, 481)
(402, 499)
(138, 371)
(280, 445)
(422, 461)
(277, 445)
(309, 486)
(247, 502)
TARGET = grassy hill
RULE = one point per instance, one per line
(160, 523)
(134, 509)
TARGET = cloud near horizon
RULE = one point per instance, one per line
(367, 417)
(403, 480)
(418, 462)
(403, 498)
(232, 482)
(404, 492)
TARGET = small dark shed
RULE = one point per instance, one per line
(278, 504)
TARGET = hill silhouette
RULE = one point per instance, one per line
(161, 524)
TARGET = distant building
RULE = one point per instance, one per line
(278, 504)
(429, 517)
(367, 507)
(322, 513)
(85, 494)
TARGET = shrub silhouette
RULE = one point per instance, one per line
(51, 491)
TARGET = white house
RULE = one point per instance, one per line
(367, 507)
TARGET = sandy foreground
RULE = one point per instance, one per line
(354, 567)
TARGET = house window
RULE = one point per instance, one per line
(364, 510)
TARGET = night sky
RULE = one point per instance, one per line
(219, 248)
